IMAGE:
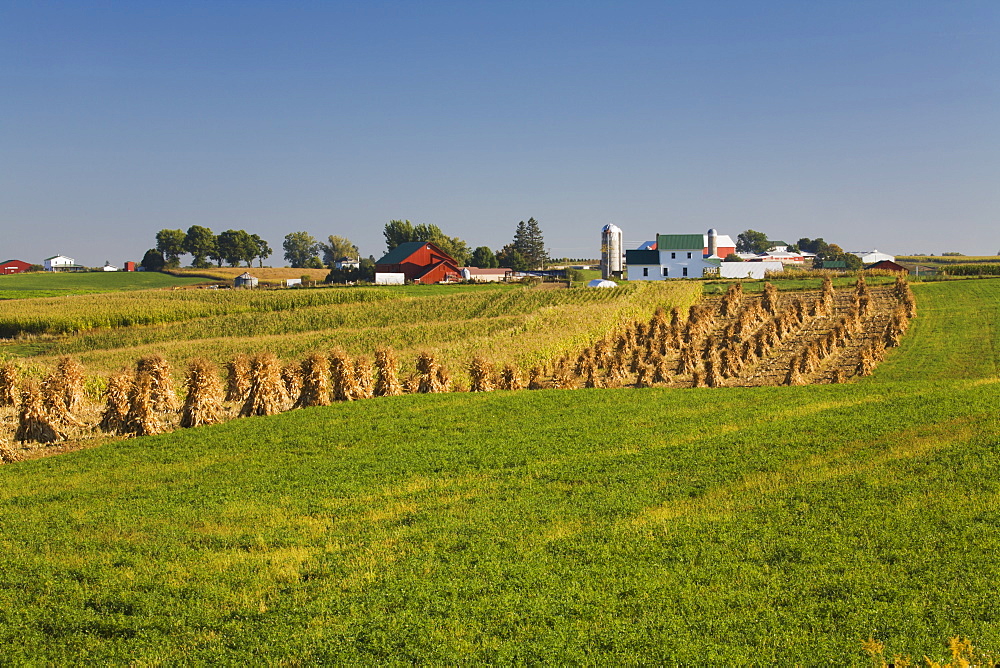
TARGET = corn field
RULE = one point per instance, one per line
(737, 340)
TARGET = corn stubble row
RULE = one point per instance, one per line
(714, 345)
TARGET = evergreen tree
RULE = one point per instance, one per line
(529, 242)
(484, 258)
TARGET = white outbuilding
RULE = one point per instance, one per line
(601, 283)
(873, 256)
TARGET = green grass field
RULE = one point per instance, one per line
(48, 284)
(778, 525)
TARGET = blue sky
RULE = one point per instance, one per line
(871, 124)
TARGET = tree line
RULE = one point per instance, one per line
(752, 241)
(238, 247)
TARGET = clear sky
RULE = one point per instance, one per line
(873, 124)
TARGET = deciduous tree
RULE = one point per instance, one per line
(200, 243)
(263, 249)
(338, 247)
(171, 244)
(751, 241)
(236, 246)
(300, 249)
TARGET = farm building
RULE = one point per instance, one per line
(678, 256)
(873, 256)
(889, 265)
(14, 267)
(61, 263)
(416, 261)
(748, 269)
(347, 263)
(109, 267)
(480, 275)
(245, 280)
(130, 266)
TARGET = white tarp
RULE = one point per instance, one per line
(600, 283)
(389, 279)
(747, 269)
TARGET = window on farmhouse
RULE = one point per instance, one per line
(665, 271)
(673, 256)
(685, 272)
(689, 256)
(645, 271)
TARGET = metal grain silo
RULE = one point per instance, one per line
(612, 254)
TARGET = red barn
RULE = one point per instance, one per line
(889, 265)
(130, 266)
(418, 261)
(14, 267)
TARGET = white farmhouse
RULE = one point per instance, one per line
(60, 263)
(678, 256)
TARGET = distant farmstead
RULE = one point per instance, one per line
(245, 280)
(61, 263)
(14, 267)
(416, 262)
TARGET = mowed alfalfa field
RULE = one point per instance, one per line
(733, 525)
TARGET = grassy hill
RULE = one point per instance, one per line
(58, 284)
(756, 525)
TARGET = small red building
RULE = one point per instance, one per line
(889, 265)
(419, 262)
(14, 267)
(130, 266)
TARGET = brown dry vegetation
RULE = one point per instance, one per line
(738, 340)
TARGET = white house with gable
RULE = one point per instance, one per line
(60, 263)
(678, 256)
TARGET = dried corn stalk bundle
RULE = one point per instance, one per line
(364, 374)
(867, 362)
(729, 363)
(267, 391)
(203, 403)
(238, 381)
(9, 454)
(116, 403)
(644, 377)
(161, 384)
(770, 300)
(713, 378)
(860, 287)
(838, 376)
(387, 382)
(602, 353)
(54, 400)
(510, 378)
(808, 359)
(315, 372)
(733, 300)
(343, 381)
(142, 419)
(799, 310)
(794, 377)
(480, 375)
(9, 381)
(698, 379)
(661, 370)
(428, 371)
(659, 324)
(412, 384)
(592, 377)
(63, 389)
(34, 422)
(688, 362)
(445, 380)
(536, 380)
(563, 379)
(291, 376)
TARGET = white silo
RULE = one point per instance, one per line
(713, 242)
(612, 255)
